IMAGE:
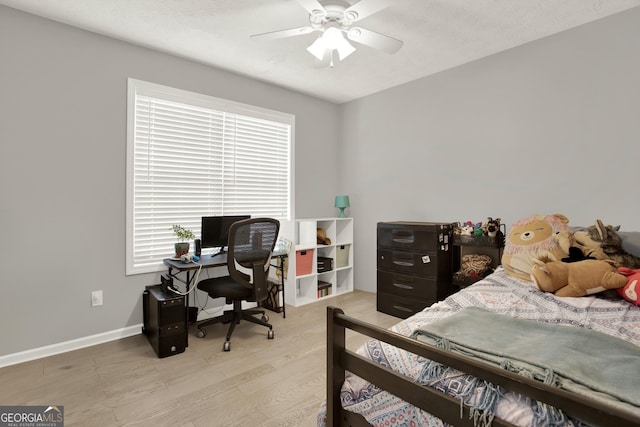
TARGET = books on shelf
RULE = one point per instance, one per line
(324, 288)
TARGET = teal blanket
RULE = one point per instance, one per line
(580, 360)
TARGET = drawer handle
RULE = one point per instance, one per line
(403, 263)
(399, 240)
(408, 310)
(401, 286)
(402, 236)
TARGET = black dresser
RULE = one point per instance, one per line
(414, 265)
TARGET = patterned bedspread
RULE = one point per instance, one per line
(499, 293)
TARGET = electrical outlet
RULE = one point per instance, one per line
(96, 298)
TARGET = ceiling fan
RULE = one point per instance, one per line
(334, 19)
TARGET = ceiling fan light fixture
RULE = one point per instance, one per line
(344, 49)
(317, 48)
(333, 19)
(331, 39)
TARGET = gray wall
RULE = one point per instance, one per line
(62, 172)
(548, 127)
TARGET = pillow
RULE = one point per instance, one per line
(630, 241)
(630, 291)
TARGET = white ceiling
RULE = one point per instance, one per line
(437, 35)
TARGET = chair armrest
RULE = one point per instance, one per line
(260, 290)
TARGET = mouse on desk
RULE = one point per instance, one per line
(189, 258)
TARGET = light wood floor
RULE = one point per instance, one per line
(260, 382)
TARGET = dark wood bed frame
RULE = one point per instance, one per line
(435, 402)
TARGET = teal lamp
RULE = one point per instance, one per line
(342, 202)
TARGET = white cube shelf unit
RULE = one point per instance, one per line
(304, 284)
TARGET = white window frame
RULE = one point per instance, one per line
(255, 117)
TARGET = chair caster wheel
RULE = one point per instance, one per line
(227, 346)
(265, 318)
(270, 334)
(201, 333)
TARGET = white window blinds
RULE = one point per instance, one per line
(191, 155)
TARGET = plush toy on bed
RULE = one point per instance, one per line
(630, 291)
(604, 243)
(577, 279)
(535, 237)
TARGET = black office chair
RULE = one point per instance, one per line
(251, 243)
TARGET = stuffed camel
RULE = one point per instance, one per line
(577, 279)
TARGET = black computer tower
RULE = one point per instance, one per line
(164, 320)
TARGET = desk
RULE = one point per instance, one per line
(189, 269)
(206, 261)
(186, 273)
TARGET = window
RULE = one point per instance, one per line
(191, 155)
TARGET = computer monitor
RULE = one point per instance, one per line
(215, 230)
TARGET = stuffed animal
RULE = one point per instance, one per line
(467, 228)
(604, 243)
(576, 254)
(492, 227)
(532, 238)
(321, 237)
(457, 229)
(576, 279)
(630, 291)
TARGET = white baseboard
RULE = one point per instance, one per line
(63, 347)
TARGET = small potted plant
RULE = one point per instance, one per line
(183, 235)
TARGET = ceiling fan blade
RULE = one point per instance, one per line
(373, 39)
(284, 33)
(312, 6)
(364, 8)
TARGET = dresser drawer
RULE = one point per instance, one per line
(400, 306)
(407, 285)
(414, 236)
(414, 263)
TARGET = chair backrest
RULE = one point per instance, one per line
(251, 243)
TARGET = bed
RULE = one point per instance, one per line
(396, 372)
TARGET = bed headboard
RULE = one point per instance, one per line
(630, 241)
